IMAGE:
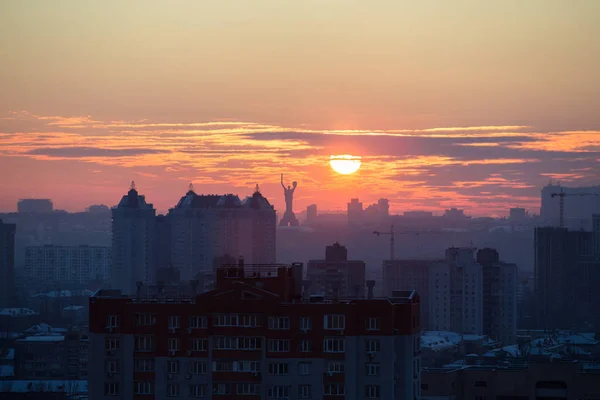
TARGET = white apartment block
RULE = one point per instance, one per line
(456, 293)
(68, 264)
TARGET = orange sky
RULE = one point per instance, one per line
(462, 103)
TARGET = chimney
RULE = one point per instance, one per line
(194, 286)
(139, 285)
(370, 286)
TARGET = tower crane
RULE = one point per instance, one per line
(561, 195)
(392, 236)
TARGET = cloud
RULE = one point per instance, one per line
(84, 152)
(483, 168)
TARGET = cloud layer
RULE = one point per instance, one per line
(484, 169)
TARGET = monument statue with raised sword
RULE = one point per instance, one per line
(288, 219)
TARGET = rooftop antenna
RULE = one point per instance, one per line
(257, 189)
(132, 186)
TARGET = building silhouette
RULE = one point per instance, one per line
(205, 227)
(500, 282)
(35, 206)
(336, 276)
(133, 242)
(7, 264)
(311, 214)
(567, 270)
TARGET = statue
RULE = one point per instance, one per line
(289, 219)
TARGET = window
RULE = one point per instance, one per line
(221, 388)
(111, 389)
(174, 344)
(244, 366)
(279, 369)
(304, 392)
(304, 368)
(112, 344)
(112, 321)
(279, 323)
(144, 343)
(305, 323)
(247, 388)
(278, 392)
(372, 392)
(173, 390)
(373, 324)
(372, 369)
(198, 344)
(144, 319)
(333, 345)
(112, 366)
(197, 391)
(172, 367)
(335, 367)
(225, 343)
(144, 365)
(372, 345)
(143, 387)
(279, 345)
(173, 321)
(305, 346)
(197, 323)
(198, 368)
(334, 322)
(225, 320)
(334, 389)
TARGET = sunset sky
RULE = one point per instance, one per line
(469, 104)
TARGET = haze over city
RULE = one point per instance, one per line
(449, 104)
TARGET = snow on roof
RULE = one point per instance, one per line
(8, 354)
(64, 293)
(43, 327)
(19, 386)
(17, 312)
(43, 338)
(72, 308)
(7, 371)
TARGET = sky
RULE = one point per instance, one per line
(462, 103)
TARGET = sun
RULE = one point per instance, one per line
(345, 164)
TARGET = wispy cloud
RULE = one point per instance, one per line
(434, 168)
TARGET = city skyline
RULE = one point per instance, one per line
(474, 106)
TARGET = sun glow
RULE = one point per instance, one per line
(345, 164)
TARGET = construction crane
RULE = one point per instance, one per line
(392, 236)
(561, 195)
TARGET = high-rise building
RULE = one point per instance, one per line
(517, 215)
(336, 276)
(500, 282)
(456, 293)
(68, 264)
(355, 212)
(596, 233)
(35, 206)
(580, 203)
(255, 337)
(566, 275)
(7, 263)
(206, 227)
(409, 275)
(311, 214)
(133, 242)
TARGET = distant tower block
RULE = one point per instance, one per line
(306, 288)
(370, 286)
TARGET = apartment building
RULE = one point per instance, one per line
(336, 276)
(254, 337)
(68, 264)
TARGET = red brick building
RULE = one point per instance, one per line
(254, 337)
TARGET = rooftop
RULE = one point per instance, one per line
(42, 338)
(17, 312)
